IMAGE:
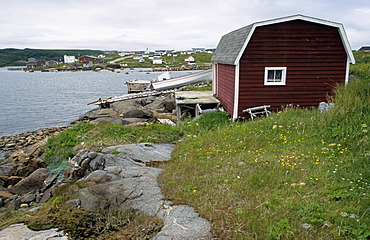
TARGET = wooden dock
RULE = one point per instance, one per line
(194, 102)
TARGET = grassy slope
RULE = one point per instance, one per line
(296, 175)
(200, 59)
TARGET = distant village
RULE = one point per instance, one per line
(154, 58)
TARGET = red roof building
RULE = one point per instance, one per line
(90, 59)
(295, 60)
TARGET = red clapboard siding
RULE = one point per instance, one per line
(313, 54)
(226, 86)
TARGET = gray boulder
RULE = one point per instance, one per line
(136, 189)
(169, 103)
(29, 197)
(100, 113)
(182, 222)
(20, 231)
(136, 113)
(133, 121)
(100, 176)
(126, 182)
(84, 162)
(144, 152)
(107, 119)
(8, 169)
(31, 183)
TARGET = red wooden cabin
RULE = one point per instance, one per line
(292, 60)
(90, 58)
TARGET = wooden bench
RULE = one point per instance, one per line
(258, 110)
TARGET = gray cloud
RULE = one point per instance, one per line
(126, 25)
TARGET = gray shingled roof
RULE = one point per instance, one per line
(230, 45)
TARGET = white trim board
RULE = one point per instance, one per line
(236, 93)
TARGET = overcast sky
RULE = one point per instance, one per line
(159, 24)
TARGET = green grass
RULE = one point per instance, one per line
(65, 145)
(361, 57)
(61, 147)
(200, 59)
(298, 174)
(203, 87)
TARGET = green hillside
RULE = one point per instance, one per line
(298, 174)
(10, 56)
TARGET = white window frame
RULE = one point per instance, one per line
(283, 76)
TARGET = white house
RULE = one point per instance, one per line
(189, 59)
(137, 57)
(157, 61)
(69, 59)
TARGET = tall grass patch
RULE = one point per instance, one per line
(298, 174)
(61, 147)
(65, 145)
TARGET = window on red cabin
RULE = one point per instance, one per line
(275, 75)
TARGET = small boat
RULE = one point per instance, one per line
(197, 77)
(164, 82)
(135, 86)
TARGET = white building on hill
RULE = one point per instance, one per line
(69, 59)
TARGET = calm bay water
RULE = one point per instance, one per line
(30, 101)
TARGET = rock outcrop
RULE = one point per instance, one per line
(118, 176)
(24, 177)
(135, 111)
(125, 181)
(20, 231)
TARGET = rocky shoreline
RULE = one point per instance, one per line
(20, 164)
(26, 180)
(26, 139)
(21, 156)
(135, 112)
